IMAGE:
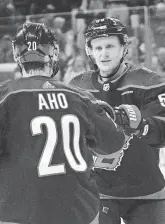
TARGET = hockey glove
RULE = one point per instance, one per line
(130, 119)
(107, 108)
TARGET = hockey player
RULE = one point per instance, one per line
(49, 134)
(136, 191)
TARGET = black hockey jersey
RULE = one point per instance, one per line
(48, 133)
(137, 173)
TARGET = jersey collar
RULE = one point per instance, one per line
(124, 67)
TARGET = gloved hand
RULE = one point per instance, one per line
(108, 109)
(130, 119)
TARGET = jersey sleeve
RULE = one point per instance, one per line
(153, 110)
(109, 138)
(3, 115)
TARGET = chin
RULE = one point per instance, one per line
(107, 70)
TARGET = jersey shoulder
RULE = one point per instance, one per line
(5, 88)
(83, 81)
(44, 84)
(142, 77)
(19, 85)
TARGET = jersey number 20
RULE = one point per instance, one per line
(44, 167)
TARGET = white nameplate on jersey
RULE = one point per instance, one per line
(161, 98)
(51, 101)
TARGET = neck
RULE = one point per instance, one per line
(32, 73)
(112, 76)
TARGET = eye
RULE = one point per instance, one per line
(110, 46)
(98, 48)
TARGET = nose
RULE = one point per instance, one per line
(105, 52)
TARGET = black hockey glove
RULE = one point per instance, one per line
(107, 108)
(130, 119)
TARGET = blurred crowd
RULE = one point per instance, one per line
(69, 19)
(27, 7)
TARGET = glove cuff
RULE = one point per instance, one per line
(143, 129)
(107, 108)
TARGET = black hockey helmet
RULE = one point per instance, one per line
(106, 27)
(35, 42)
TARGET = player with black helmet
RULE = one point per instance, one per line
(49, 135)
(36, 45)
(107, 28)
(136, 190)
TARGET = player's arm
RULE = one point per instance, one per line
(147, 122)
(3, 115)
(109, 137)
(153, 111)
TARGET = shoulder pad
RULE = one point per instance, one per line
(141, 77)
(149, 77)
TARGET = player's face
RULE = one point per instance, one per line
(107, 52)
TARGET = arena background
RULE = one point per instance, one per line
(145, 25)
